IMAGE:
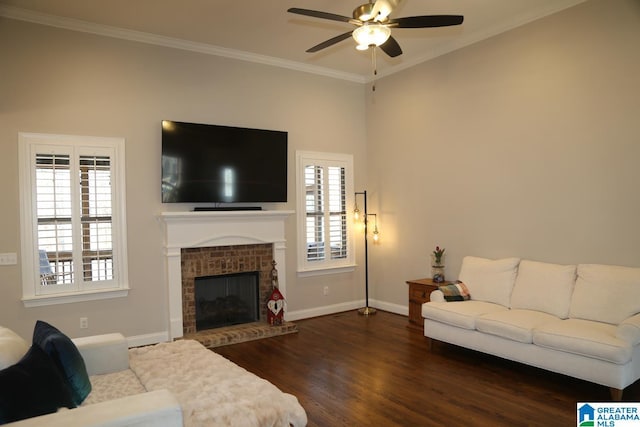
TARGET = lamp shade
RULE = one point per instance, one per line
(371, 34)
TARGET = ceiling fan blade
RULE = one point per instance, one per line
(329, 42)
(391, 47)
(318, 14)
(426, 21)
(383, 8)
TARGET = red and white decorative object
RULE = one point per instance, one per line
(275, 302)
(275, 306)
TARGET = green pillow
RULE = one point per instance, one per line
(67, 358)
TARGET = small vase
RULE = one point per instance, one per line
(437, 269)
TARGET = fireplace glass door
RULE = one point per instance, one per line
(225, 300)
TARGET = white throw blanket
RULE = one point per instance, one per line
(213, 390)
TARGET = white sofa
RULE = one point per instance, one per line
(578, 320)
(168, 384)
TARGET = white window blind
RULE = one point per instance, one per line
(78, 244)
(54, 216)
(95, 188)
(314, 182)
(325, 191)
(337, 212)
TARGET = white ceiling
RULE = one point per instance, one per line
(263, 31)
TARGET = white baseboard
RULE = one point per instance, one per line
(338, 308)
(391, 308)
(323, 311)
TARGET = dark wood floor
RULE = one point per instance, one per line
(353, 370)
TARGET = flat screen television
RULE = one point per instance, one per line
(203, 163)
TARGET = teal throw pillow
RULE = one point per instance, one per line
(67, 358)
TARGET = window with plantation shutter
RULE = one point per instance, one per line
(73, 223)
(325, 192)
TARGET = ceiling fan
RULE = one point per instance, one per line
(373, 25)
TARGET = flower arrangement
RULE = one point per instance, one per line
(437, 255)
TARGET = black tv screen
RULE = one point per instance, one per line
(222, 164)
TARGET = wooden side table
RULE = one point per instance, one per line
(419, 293)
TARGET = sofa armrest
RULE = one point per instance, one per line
(629, 329)
(155, 408)
(104, 354)
(436, 296)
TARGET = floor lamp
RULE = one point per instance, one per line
(366, 310)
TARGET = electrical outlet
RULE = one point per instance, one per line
(325, 291)
(84, 323)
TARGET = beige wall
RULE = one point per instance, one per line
(526, 144)
(58, 81)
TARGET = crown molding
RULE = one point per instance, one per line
(208, 49)
(154, 39)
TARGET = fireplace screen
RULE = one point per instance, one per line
(229, 299)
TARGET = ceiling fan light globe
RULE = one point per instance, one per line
(371, 34)
(362, 47)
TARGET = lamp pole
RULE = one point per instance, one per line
(366, 310)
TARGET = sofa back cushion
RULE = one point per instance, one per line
(606, 293)
(544, 287)
(12, 347)
(488, 279)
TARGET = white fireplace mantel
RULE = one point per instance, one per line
(217, 228)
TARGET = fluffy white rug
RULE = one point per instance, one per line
(213, 390)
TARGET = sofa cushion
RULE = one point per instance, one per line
(606, 293)
(629, 330)
(584, 337)
(462, 314)
(67, 358)
(516, 325)
(489, 280)
(12, 347)
(32, 387)
(544, 287)
(104, 354)
(113, 386)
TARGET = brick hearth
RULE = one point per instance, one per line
(240, 333)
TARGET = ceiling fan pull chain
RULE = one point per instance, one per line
(375, 67)
(375, 63)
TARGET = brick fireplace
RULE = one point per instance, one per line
(222, 260)
(218, 242)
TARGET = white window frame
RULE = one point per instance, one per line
(328, 265)
(33, 291)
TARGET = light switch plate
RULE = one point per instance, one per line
(8, 258)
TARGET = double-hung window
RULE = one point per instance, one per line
(325, 194)
(73, 229)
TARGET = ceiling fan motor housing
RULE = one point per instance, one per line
(363, 12)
